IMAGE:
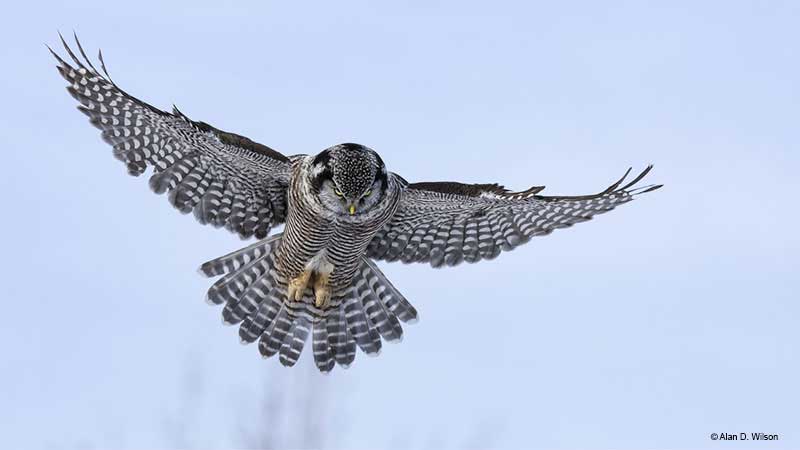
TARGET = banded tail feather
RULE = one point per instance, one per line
(340, 340)
(234, 260)
(254, 296)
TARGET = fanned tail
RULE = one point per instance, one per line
(254, 294)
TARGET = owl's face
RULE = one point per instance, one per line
(350, 179)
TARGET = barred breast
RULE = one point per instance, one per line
(312, 230)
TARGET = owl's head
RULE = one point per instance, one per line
(349, 178)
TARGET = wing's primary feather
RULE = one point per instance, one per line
(224, 178)
(445, 223)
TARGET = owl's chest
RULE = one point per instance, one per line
(324, 228)
(342, 236)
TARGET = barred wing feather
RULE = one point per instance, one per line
(226, 179)
(446, 223)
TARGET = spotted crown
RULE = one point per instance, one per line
(352, 168)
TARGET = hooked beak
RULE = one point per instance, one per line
(352, 209)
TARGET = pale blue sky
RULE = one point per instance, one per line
(653, 326)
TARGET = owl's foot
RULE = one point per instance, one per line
(297, 286)
(322, 292)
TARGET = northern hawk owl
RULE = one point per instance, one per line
(342, 208)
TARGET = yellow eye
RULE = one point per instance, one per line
(368, 193)
(338, 193)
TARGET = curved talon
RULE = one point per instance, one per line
(322, 292)
(297, 286)
(323, 296)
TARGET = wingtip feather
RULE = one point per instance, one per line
(82, 52)
(70, 52)
(638, 177)
(614, 186)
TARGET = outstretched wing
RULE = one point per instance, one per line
(445, 223)
(225, 179)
